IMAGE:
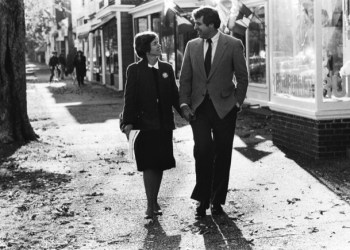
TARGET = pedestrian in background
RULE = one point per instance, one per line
(150, 95)
(210, 101)
(80, 67)
(53, 63)
(62, 65)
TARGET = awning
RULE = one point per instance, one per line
(83, 35)
(103, 22)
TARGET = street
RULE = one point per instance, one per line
(75, 188)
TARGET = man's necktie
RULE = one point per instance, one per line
(207, 60)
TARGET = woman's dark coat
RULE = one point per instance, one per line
(141, 107)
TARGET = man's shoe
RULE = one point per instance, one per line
(216, 209)
(201, 210)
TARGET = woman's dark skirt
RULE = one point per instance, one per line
(154, 150)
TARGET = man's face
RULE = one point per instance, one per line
(202, 29)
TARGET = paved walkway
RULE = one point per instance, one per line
(273, 202)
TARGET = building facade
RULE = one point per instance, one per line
(104, 33)
(297, 53)
(60, 38)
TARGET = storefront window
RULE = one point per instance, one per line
(185, 32)
(155, 19)
(141, 24)
(111, 46)
(293, 49)
(96, 56)
(334, 79)
(85, 49)
(256, 48)
(176, 31)
(167, 37)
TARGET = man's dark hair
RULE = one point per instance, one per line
(210, 15)
(142, 42)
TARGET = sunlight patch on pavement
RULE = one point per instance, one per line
(192, 242)
(238, 142)
(60, 112)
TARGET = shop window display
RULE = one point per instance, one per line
(111, 47)
(335, 68)
(294, 47)
(174, 30)
(184, 33)
(96, 57)
(294, 50)
(167, 37)
(155, 19)
(141, 24)
(256, 48)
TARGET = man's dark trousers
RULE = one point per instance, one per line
(213, 139)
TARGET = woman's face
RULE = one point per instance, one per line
(155, 48)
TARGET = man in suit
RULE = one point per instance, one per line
(210, 100)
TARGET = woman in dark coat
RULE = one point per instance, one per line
(80, 67)
(150, 95)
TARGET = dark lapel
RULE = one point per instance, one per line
(161, 70)
(145, 74)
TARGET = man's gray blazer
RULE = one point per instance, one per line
(228, 61)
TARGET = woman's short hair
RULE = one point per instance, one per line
(209, 14)
(142, 42)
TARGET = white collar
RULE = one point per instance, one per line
(154, 66)
(215, 38)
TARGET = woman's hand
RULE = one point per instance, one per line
(126, 130)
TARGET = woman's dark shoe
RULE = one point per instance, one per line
(149, 214)
(156, 209)
(158, 212)
(216, 209)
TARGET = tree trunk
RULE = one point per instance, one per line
(14, 121)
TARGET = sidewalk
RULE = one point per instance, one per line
(275, 200)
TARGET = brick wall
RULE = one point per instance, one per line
(127, 42)
(313, 138)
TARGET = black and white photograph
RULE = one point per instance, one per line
(175, 124)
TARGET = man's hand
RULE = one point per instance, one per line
(126, 130)
(187, 113)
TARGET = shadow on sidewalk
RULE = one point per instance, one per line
(157, 239)
(14, 178)
(253, 127)
(220, 232)
(91, 103)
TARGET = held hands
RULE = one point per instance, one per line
(126, 130)
(187, 113)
